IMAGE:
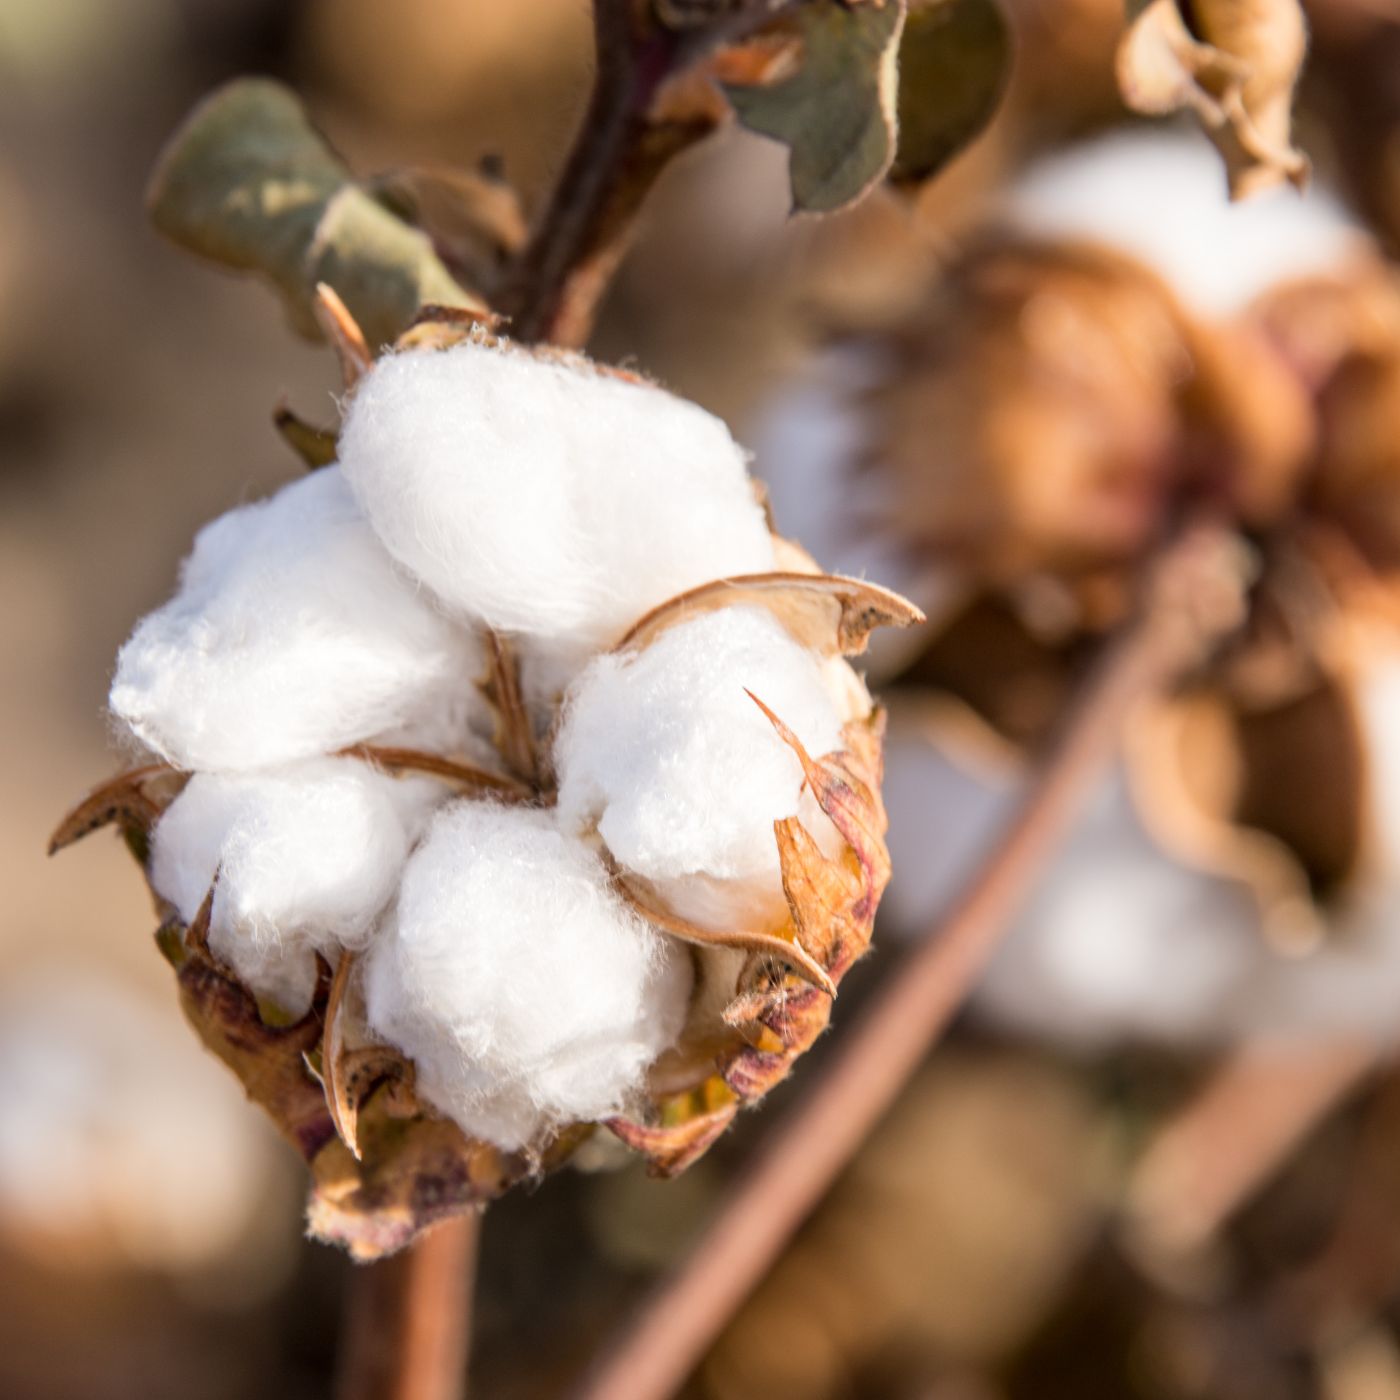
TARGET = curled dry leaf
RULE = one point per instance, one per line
(353, 1065)
(344, 334)
(464, 776)
(735, 1051)
(1234, 64)
(515, 735)
(825, 612)
(248, 182)
(132, 801)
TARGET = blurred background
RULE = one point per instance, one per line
(996, 1239)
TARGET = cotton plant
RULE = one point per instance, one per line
(502, 782)
(1121, 349)
(508, 780)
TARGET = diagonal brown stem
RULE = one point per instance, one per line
(407, 1319)
(652, 1359)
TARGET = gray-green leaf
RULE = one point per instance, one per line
(248, 182)
(953, 63)
(836, 113)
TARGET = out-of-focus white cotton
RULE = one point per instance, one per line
(1160, 196)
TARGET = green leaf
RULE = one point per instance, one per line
(953, 63)
(248, 182)
(836, 112)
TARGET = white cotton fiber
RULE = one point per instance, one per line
(292, 634)
(307, 857)
(526, 993)
(1160, 196)
(680, 771)
(547, 499)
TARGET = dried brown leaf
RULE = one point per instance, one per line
(774, 1014)
(344, 334)
(515, 734)
(824, 612)
(1234, 65)
(463, 775)
(353, 1066)
(132, 800)
(775, 945)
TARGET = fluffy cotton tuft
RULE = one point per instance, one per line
(292, 634)
(526, 993)
(307, 857)
(543, 498)
(1161, 196)
(682, 774)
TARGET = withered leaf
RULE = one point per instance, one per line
(464, 775)
(1234, 65)
(775, 1014)
(132, 801)
(353, 1065)
(248, 182)
(828, 613)
(954, 59)
(786, 950)
(474, 218)
(836, 111)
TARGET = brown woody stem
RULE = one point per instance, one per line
(556, 284)
(652, 1359)
(407, 1320)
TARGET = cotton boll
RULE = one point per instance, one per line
(547, 498)
(682, 774)
(307, 858)
(523, 989)
(1160, 196)
(292, 634)
(118, 1146)
(1117, 941)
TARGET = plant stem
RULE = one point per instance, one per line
(558, 280)
(407, 1319)
(652, 1359)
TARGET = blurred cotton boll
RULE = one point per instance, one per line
(1160, 195)
(1118, 940)
(1122, 939)
(118, 1147)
